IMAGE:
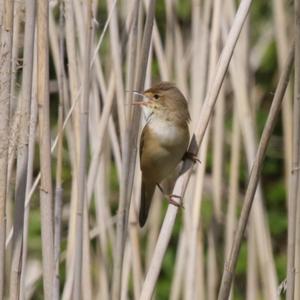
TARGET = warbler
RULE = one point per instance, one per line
(164, 139)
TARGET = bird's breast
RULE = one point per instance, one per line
(164, 144)
(168, 133)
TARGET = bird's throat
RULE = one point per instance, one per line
(167, 132)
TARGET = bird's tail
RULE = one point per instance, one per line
(146, 198)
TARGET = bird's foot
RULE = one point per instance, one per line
(169, 197)
(192, 156)
(174, 202)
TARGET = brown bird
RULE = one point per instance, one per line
(164, 139)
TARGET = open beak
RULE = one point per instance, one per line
(143, 102)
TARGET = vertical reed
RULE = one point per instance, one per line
(6, 46)
(46, 195)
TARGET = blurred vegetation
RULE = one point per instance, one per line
(272, 175)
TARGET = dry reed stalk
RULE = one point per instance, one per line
(190, 291)
(254, 178)
(45, 148)
(29, 176)
(103, 122)
(96, 58)
(16, 62)
(218, 153)
(89, 259)
(135, 255)
(115, 147)
(126, 271)
(177, 279)
(108, 104)
(116, 53)
(251, 291)
(148, 76)
(181, 62)
(72, 50)
(233, 183)
(84, 113)
(87, 253)
(170, 34)
(86, 258)
(159, 51)
(38, 177)
(80, 10)
(73, 67)
(129, 158)
(79, 15)
(101, 129)
(30, 188)
(263, 235)
(160, 55)
(259, 49)
(296, 97)
(140, 32)
(294, 176)
(252, 249)
(200, 55)
(192, 219)
(13, 146)
(55, 36)
(70, 255)
(11, 169)
(282, 42)
(1, 16)
(201, 278)
(131, 57)
(251, 254)
(95, 112)
(5, 88)
(22, 159)
(102, 219)
(265, 255)
(133, 230)
(198, 30)
(78, 18)
(192, 213)
(135, 252)
(53, 147)
(58, 183)
(95, 107)
(204, 118)
(211, 266)
(218, 128)
(57, 216)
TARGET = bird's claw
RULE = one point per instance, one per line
(170, 200)
(192, 156)
(175, 203)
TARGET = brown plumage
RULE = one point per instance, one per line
(164, 139)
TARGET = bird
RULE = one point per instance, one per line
(164, 139)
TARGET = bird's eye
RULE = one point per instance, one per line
(156, 96)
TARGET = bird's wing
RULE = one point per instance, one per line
(142, 142)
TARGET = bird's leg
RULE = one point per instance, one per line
(170, 200)
(192, 156)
